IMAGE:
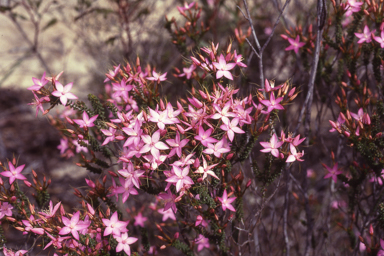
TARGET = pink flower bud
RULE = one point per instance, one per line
(248, 184)
(90, 209)
(196, 164)
(69, 120)
(90, 183)
(112, 174)
(371, 230)
(176, 236)
(27, 183)
(284, 37)
(291, 92)
(229, 156)
(38, 231)
(196, 61)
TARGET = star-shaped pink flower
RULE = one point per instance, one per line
(38, 84)
(63, 92)
(272, 103)
(139, 220)
(14, 173)
(123, 243)
(380, 39)
(202, 242)
(226, 202)
(366, 36)
(86, 122)
(332, 172)
(205, 170)
(73, 225)
(223, 68)
(168, 214)
(114, 225)
(157, 77)
(272, 146)
(295, 44)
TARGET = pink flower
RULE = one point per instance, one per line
(272, 146)
(188, 71)
(332, 172)
(159, 117)
(205, 170)
(110, 134)
(157, 77)
(366, 36)
(231, 127)
(167, 214)
(51, 211)
(134, 134)
(5, 209)
(114, 225)
(63, 92)
(29, 228)
(169, 200)
(226, 202)
(219, 148)
(86, 122)
(79, 147)
(38, 84)
(126, 189)
(294, 155)
(56, 241)
(153, 144)
(73, 225)
(38, 103)
(200, 221)
(123, 243)
(63, 145)
(202, 242)
(223, 68)
(140, 219)
(238, 60)
(185, 7)
(223, 113)
(177, 145)
(338, 125)
(131, 174)
(380, 39)
(272, 103)
(270, 86)
(112, 73)
(352, 6)
(14, 173)
(295, 44)
(204, 136)
(180, 178)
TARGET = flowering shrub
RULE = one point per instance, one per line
(194, 157)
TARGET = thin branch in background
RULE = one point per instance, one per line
(321, 16)
(285, 214)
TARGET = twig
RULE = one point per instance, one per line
(285, 214)
(321, 16)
